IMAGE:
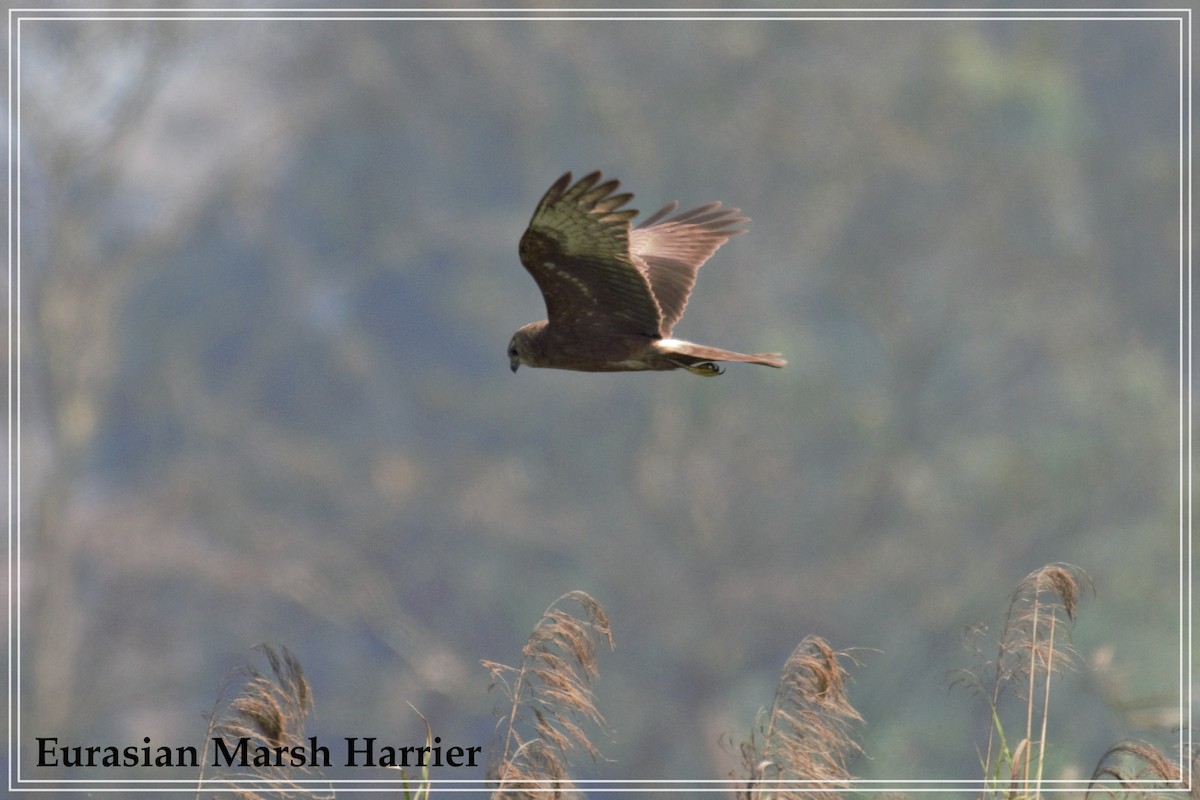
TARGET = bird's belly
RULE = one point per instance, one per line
(629, 364)
(613, 354)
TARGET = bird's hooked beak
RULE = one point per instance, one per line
(514, 360)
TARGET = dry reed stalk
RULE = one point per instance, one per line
(269, 710)
(550, 701)
(800, 747)
(1031, 648)
(1142, 770)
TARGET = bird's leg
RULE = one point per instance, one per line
(706, 369)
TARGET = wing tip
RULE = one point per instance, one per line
(714, 217)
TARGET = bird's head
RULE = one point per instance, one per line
(522, 348)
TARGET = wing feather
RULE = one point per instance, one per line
(671, 251)
(577, 250)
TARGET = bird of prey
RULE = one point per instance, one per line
(613, 294)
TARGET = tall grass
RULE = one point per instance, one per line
(268, 709)
(1137, 769)
(800, 747)
(550, 701)
(1033, 646)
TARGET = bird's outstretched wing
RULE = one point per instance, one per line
(577, 249)
(670, 252)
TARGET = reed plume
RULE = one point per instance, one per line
(1033, 645)
(800, 747)
(1137, 769)
(550, 701)
(269, 710)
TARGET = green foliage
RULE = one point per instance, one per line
(420, 787)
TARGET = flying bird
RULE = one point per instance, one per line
(613, 294)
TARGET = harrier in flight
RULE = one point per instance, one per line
(613, 294)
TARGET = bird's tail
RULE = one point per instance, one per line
(698, 358)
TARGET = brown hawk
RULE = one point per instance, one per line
(613, 294)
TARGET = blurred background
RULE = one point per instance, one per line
(268, 272)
